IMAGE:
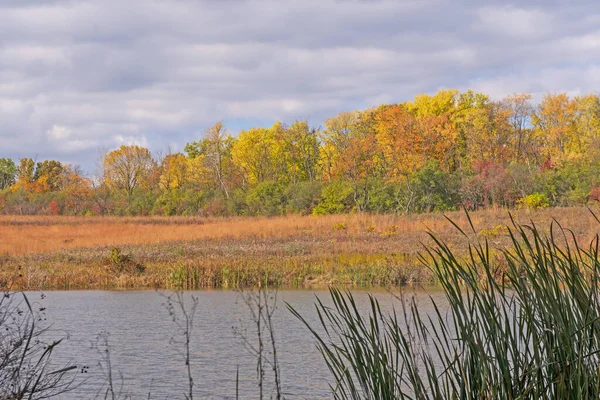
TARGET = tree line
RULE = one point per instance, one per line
(435, 153)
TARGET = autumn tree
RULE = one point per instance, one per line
(397, 135)
(298, 148)
(49, 172)
(25, 171)
(350, 151)
(76, 188)
(435, 125)
(173, 171)
(488, 133)
(443, 102)
(8, 173)
(554, 123)
(128, 168)
(255, 152)
(587, 121)
(335, 140)
(215, 150)
(467, 103)
(520, 112)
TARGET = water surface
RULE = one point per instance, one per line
(146, 357)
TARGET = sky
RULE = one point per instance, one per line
(80, 78)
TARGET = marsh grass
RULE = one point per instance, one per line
(523, 323)
(192, 253)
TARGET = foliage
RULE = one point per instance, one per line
(336, 199)
(438, 152)
(128, 168)
(267, 198)
(534, 201)
(8, 173)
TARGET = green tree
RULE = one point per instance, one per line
(25, 171)
(49, 172)
(8, 173)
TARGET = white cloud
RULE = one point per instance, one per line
(59, 132)
(515, 22)
(131, 140)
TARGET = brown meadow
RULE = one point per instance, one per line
(360, 249)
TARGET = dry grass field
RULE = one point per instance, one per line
(143, 252)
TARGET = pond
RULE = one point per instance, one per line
(146, 348)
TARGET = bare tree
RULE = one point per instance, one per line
(26, 369)
(183, 317)
(262, 304)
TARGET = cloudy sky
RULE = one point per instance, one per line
(78, 78)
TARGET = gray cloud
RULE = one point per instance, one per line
(81, 77)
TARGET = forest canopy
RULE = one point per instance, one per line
(436, 153)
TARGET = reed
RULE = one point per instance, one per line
(522, 325)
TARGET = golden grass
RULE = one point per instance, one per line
(73, 252)
(30, 235)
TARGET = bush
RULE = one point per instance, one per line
(336, 199)
(434, 189)
(267, 198)
(534, 201)
(123, 263)
(303, 197)
(340, 226)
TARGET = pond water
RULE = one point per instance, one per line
(146, 351)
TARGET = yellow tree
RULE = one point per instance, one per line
(215, 150)
(49, 172)
(174, 169)
(436, 128)
(442, 102)
(554, 123)
(25, 171)
(255, 154)
(298, 150)
(587, 120)
(487, 132)
(335, 139)
(128, 168)
(467, 103)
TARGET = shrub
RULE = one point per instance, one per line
(534, 201)
(340, 226)
(303, 197)
(267, 198)
(336, 199)
(123, 263)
